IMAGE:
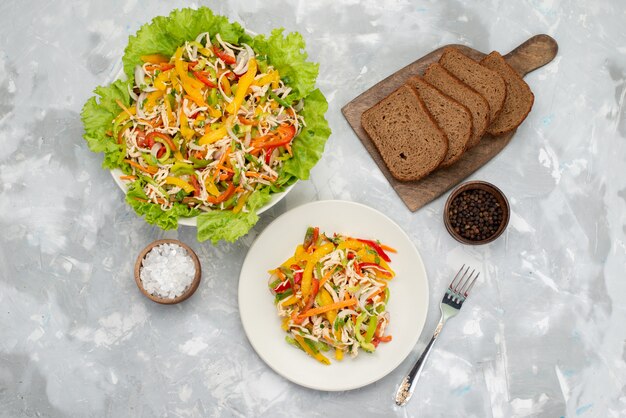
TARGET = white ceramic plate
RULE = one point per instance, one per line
(408, 303)
(276, 197)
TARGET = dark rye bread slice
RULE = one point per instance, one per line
(452, 117)
(407, 138)
(486, 82)
(477, 105)
(519, 98)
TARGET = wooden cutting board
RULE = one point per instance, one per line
(532, 54)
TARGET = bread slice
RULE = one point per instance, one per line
(477, 105)
(407, 138)
(452, 117)
(519, 98)
(483, 80)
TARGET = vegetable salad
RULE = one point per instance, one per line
(210, 121)
(332, 294)
(207, 126)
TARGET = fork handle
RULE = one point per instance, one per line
(405, 391)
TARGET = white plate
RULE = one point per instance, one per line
(408, 303)
(276, 197)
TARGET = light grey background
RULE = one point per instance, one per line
(543, 334)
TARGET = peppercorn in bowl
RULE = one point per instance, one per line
(476, 213)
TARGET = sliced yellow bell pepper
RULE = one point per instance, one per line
(327, 299)
(161, 80)
(241, 202)
(190, 85)
(176, 83)
(285, 324)
(289, 301)
(226, 86)
(199, 119)
(175, 181)
(181, 69)
(211, 188)
(152, 98)
(215, 113)
(213, 136)
(155, 59)
(267, 78)
(317, 356)
(307, 275)
(300, 253)
(338, 354)
(185, 130)
(168, 111)
(242, 88)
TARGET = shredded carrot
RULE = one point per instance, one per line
(140, 199)
(326, 308)
(221, 167)
(326, 277)
(280, 274)
(128, 177)
(388, 248)
(257, 175)
(220, 163)
(149, 170)
(124, 108)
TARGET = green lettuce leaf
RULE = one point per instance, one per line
(97, 116)
(309, 145)
(163, 35)
(225, 225)
(164, 219)
(288, 55)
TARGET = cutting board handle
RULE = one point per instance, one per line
(532, 54)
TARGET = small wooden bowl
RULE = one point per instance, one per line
(489, 188)
(192, 287)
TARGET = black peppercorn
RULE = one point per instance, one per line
(475, 214)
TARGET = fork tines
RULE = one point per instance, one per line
(463, 283)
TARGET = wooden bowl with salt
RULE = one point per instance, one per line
(187, 292)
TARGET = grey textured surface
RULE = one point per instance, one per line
(543, 334)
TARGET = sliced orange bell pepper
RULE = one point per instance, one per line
(307, 275)
(242, 88)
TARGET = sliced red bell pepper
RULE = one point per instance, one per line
(268, 155)
(161, 135)
(351, 255)
(376, 248)
(282, 287)
(297, 277)
(202, 76)
(166, 66)
(143, 141)
(196, 186)
(223, 55)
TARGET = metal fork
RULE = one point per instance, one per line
(450, 305)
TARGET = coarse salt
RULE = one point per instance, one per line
(167, 271)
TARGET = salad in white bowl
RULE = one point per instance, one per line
(211, 123)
